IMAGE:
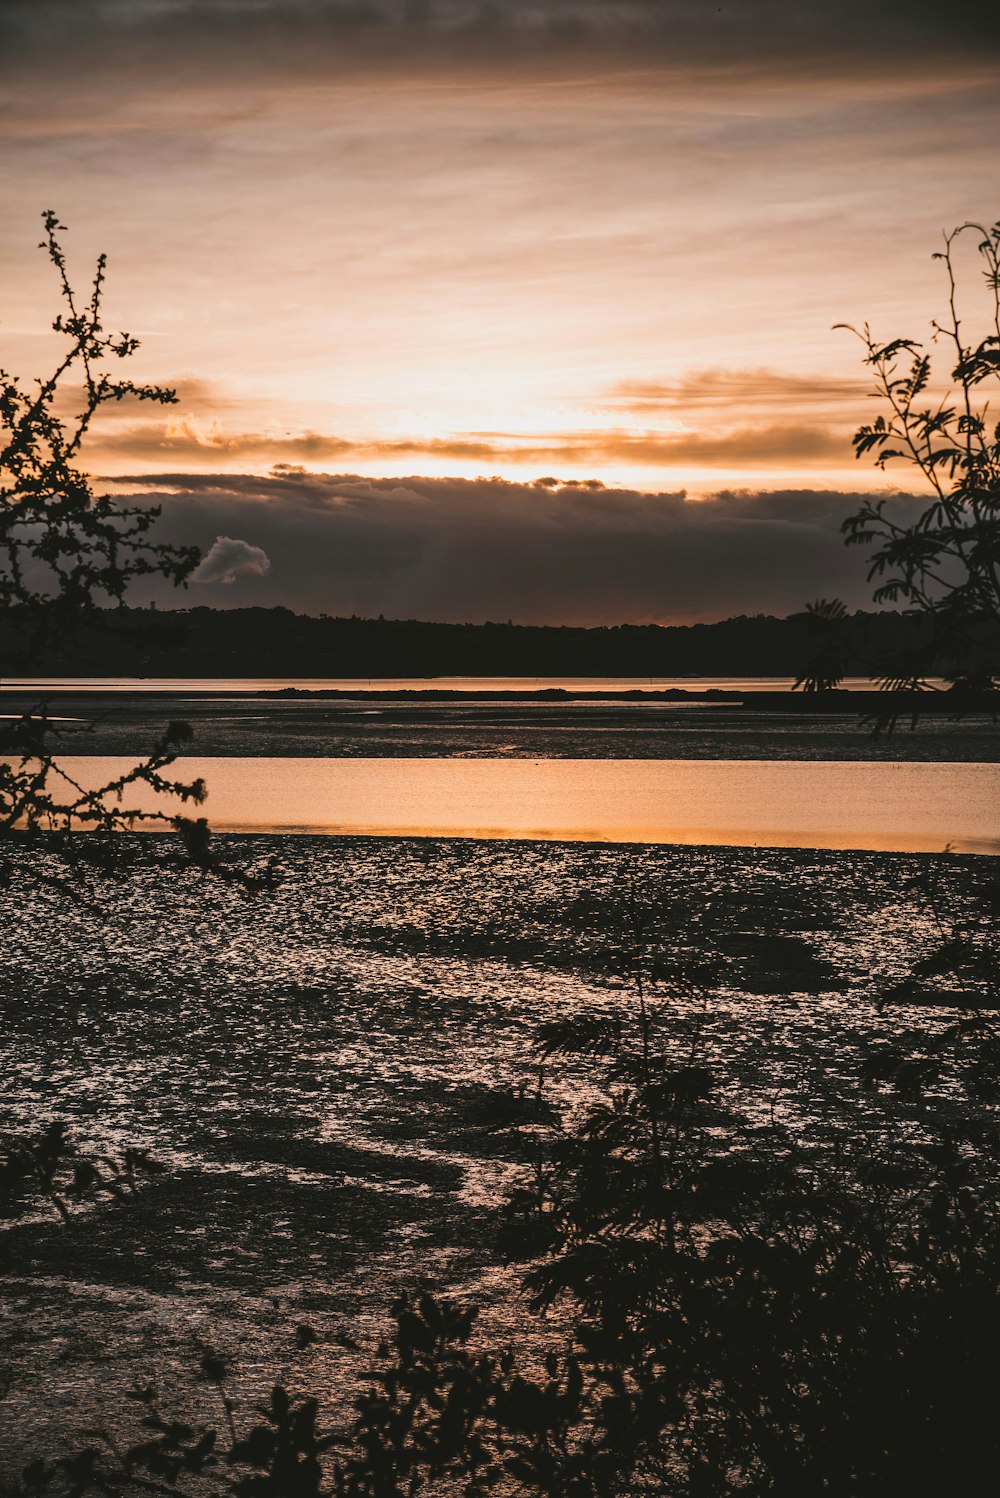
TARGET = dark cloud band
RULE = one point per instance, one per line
(803, 34)
(546, 552)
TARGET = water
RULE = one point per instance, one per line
(900, 806)
(101, 684)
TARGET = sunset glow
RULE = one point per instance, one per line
(552, 240)
(499, 725)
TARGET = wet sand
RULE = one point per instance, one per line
(490, 725)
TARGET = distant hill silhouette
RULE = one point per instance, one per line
(204, 642)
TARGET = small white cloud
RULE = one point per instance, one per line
(228, 558)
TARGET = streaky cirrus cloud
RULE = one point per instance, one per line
(713, 390)
(229, 558)
(764, 444)
(720, 418)
(543, 552)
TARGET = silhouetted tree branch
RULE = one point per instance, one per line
(67, 556)
(946, 565)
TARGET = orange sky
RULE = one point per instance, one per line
(517, 240)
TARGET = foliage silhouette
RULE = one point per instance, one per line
(945, 567)
(65, 550)
(66, 554)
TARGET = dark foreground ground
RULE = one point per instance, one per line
(339, 1076)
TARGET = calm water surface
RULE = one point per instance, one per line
(903, 807)
(416, 683)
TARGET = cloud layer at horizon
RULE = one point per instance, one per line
(455, 550)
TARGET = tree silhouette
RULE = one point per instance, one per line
(945, 566)
(67, 557)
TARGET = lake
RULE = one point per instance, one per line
(879, 805)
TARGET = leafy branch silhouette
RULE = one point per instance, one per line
(945, 566)
(67, 557)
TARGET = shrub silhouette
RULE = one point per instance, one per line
(66, 555)
(945, 567)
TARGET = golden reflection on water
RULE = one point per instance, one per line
(884, 806)
(195, 684)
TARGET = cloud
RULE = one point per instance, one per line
(774, 444)
(276, 31)
(716, 418)
(543, 552)
(746, 447)
(715, 389)
(194, 437)
(229, 558)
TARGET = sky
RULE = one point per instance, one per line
(498, 308)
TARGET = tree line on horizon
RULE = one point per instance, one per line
(210, 642)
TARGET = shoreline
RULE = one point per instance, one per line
(852, 702)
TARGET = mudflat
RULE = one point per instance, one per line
(341, 1079)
